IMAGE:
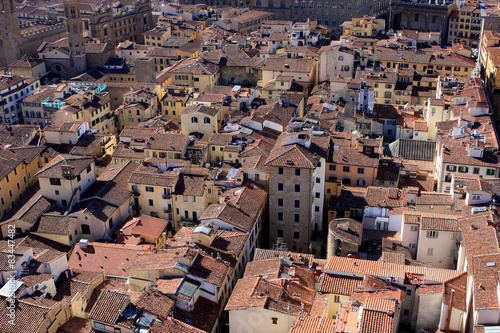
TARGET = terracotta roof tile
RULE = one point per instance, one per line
(338, 284)
(109, 306)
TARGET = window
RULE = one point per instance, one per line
(463, 169)
(414, 228)
(89, 168)
(408, 292)
(194, 120)
(117, 330)
(99, 326)
(280, 202)
(332, 167)
(336, 299)
(451, 168)
(346, 181)
(86, 230)
(297, 188)
(296, 218)
(280, 171)
(280, 233)
(55, 181)
(280, 216)
(456, 236)
(490, 172)
(317, 195)
(475, 171)
(316, 208)
(206, 120)
(296, 235)
(406, 312)
(150, 189)
(297, 203)
(430, 251)
(476, 197)
(318, 180)
(346, 168)
(280, 187)
(275, 320)
(432, 234)
(57, 192)
(453, 252)
(361, 171)
(150, 202)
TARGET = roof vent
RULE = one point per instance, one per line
(490, 264)
(84, 243)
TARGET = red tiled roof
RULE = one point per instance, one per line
(338, 284)
(114, 259)
(310, 324)
(109, 306)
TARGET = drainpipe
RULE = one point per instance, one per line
(449, 310)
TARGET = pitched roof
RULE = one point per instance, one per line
(113, 259)
(56, 224)
(109, 306)
(309, 324)
(249, 199)
(54, 169)
(136, 227)
(296, 155)
(337, 265)
(338, 284)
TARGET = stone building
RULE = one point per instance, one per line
(123, 21)
(296, 192)
(331, 14)
(76, 43)
(344, 237)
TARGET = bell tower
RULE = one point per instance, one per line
(10, 34)
(78, 58)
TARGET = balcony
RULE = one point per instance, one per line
(136, 207)
(135, 192)
(166, 196)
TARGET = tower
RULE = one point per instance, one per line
(10, 33)
(76, 43)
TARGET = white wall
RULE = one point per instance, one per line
(259, 320)
(317, 217)
(442, 246)
(429, 311)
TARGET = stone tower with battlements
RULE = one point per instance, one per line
(11, 44)
(76, 42)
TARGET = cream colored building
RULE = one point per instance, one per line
(200, 120)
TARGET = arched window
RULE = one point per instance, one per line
(311, 4)
(387, 94)
(303, 4)
(206, 120)
(341, 58)
(194, 120)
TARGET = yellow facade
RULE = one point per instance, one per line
(363, 26)
(174, 100)
(16, 183)
(469, 25)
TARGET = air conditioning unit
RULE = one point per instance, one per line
(476, 210)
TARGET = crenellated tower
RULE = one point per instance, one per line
(10, 33)
(78, 58)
